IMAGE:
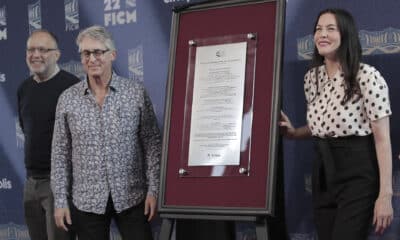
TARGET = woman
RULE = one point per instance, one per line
(348, 115)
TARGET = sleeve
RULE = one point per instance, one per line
(61, 154)
(375, 94)
(150, 137)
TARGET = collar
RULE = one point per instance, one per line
(114, 84)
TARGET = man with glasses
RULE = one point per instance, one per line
(106, 132)
(37, 99)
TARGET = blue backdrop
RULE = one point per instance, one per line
(141, 30)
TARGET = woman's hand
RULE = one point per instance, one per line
(289, 131)
(383, 213)
(286, 126)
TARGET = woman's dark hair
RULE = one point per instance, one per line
(349, 52)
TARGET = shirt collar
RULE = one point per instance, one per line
(114, 84)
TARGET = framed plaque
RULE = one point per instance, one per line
(218, 106)
(222, 107)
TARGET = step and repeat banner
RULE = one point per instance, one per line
(141, 29)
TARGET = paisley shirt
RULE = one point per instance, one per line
(101, 151)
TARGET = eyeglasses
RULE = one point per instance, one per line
(40, 50)
(97, 53)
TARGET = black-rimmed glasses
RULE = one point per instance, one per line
(41, 50)
(97, 53)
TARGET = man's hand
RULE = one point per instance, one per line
(150, 207)
(61, 216)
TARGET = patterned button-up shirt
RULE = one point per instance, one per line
(114, 149)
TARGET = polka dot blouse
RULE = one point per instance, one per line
(327, 117)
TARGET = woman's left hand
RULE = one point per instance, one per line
(383, 213)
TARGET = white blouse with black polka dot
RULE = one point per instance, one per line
(327, 117)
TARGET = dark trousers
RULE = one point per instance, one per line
(39, 211)
(205, 229)
(132, 223)
(345, 187)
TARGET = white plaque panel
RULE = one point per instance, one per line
(217, 107)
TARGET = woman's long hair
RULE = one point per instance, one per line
(349, 52)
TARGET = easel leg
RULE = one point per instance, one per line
(262, 229)
(166, 229)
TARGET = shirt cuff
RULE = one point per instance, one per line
(60, 201)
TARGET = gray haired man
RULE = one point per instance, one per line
(106, 132)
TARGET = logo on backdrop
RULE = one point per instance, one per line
(71, 15)
(19, 135)
(13, 231)
(3, 24)
(2, 77)
(386, 41)
(75, 68)
(305, 47)
(5, 184)
(135, 63)
(119, 12)
(35, 16)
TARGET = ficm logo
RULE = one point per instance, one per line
(117, 12)
(71, 8)
(5, 184)
(35, 16)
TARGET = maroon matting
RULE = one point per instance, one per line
(227, 191)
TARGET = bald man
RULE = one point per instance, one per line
(37, 99)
